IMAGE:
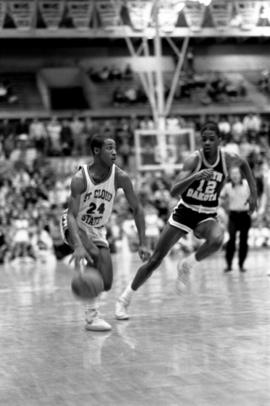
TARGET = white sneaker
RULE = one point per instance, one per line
(183, 273)
(121, 310)
(94, 323)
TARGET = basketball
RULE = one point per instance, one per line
(88, 285)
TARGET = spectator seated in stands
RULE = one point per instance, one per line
(12, 97)
(104, 74)
(235, 89)
(7, 92)
(216, 88)
(264, 81)
(93, 74)
(219, 88)
(115, 73)
(131, 95)
(128, 73)
(24, 153)
(3, 92)
(99, 75)
(112, 73)
(119, 96)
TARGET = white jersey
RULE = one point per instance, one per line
(96, 203)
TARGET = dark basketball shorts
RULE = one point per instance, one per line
(187, 219)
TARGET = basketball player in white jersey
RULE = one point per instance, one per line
(93, 189)
(198, 186)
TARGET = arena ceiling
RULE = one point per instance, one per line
(134, 18)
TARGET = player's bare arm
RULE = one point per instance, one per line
(236, 160)
(77, 188)
(188, 175)
(123, 181)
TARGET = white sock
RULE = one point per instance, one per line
(191, 259)
(102, 297)
(127, 294)
(91, 309)
(92, 304)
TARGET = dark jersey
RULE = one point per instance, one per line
(203, 195)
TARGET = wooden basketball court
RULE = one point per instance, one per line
(209, 346)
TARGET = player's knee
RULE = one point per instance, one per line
(216, 240)
(107, 285)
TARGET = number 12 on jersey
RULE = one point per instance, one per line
(210, 186)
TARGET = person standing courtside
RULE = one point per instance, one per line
(93, 189)
(235, 200)
(199, 184)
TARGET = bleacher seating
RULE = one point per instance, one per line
(24, 88)
(104, 91)
(190, 93)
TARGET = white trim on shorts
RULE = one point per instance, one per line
(199, 208)
(209, 218)
(185, 228)
(179, 225)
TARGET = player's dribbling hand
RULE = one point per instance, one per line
(78, 257)
(205, 174)
(144, 253)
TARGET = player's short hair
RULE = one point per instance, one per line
(97, 141)
(210, 126)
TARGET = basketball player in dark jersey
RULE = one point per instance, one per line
(198, 186)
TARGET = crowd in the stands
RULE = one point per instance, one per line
(32, 196)
(70, 136)
(199, 87)
(110, 73)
